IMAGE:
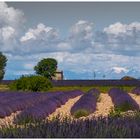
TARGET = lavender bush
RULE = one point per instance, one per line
(45, 108)
(101, 127)
(12, 102)
(86, 104)
(136, 91)
(122, 100)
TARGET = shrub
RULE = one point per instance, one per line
(81, 113)
(125, 106)
(115, 112)
(31, 83)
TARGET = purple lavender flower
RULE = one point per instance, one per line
(86, 104)
(121, 99)
(47, 106)
(136, 90)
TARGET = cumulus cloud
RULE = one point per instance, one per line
(10, 16)
(120, 38)
(81, 63)
(41, 32)
(42, 38)
(120, 29)
(7, 39)
(47, 39)
(11, 20)
(113, 51)
(82, 31)
(81, 36)
(7, 33)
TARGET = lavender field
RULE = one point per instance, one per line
(89, 114)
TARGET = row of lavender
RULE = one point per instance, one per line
(108, 82)
(83, 107)
(88, 102)
(96, 82)
(40, 105)
(45, 108)
(122, 100)
(15, 101)
(20, 101)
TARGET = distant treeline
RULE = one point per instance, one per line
(89, 82)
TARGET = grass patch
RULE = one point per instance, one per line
(26, 120)
(80, 113)
(118, 110)
(4, 87)
(103, 89)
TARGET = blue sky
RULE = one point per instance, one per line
(85, 38)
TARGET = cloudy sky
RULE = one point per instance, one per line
(85, 38)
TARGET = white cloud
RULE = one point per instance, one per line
(41, 39)
(10, 16)
(41, 32)
(81, 36)
(11, 21)
(82, 62)
(115, 29)
(119, 29)
(119, 70)
(120, 38)
(82, 31)
(7, 33)
(28, 36)
(46, 39)
(81, 52)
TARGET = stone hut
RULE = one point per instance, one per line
(58, 75)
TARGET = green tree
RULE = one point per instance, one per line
(3, 61)
(46, 67)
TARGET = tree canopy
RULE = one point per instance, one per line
(3, 61)
(46, 67)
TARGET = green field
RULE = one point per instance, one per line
(4, 87)
(103, 89)
(86, 88)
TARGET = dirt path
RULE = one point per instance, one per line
(103, 107)
(65, 109)
(9, 119)
(135, 97)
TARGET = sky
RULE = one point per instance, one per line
(88, 39)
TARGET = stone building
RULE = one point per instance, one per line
(58, 75)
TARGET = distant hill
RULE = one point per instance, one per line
(128, 78)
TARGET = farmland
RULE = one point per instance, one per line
(92, 108)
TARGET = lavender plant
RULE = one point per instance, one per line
(136, 91)
(21, 101)
(122, 100)
(42, 109)
(86, 104)
(101, 127)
